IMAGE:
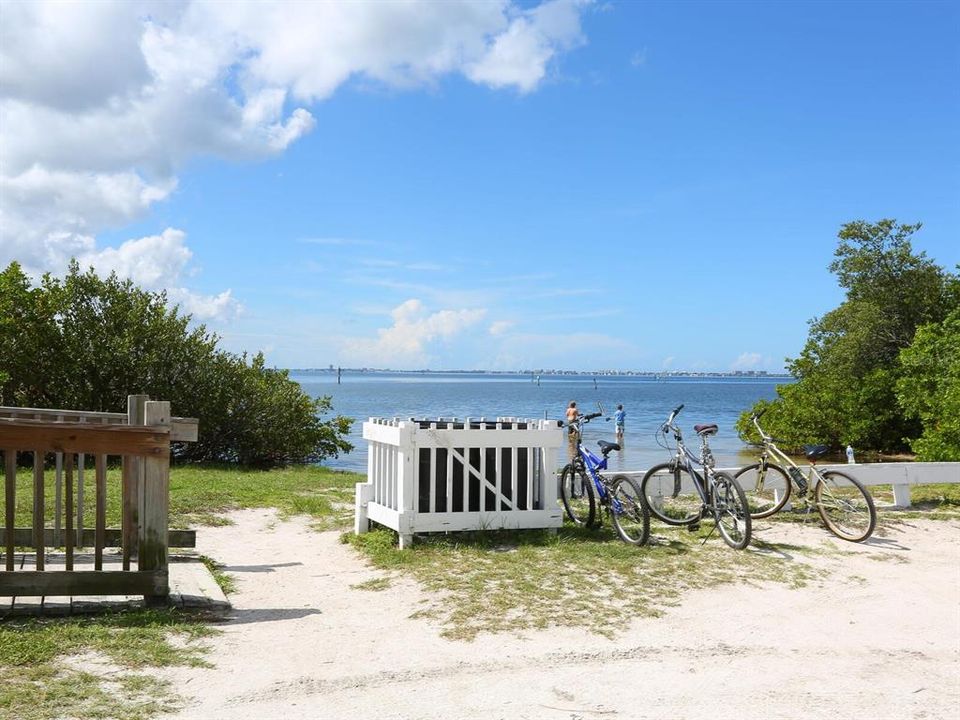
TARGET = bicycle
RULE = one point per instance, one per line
(717, 492)
(844, 505)
(582, 483)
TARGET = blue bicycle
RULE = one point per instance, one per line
(582, 485)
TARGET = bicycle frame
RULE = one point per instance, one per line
(690, 462)
(593, 463)
(769, 447)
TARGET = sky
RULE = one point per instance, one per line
(479, 185)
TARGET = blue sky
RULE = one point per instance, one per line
(635, 185)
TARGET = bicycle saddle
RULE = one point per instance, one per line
(706, 429)
(606, 447)
(813, 452)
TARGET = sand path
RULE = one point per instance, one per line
(879, 637)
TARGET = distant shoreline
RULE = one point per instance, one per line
(552, 373)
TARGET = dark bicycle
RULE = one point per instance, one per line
(666, 488)
(582, 485)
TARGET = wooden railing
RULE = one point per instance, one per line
(141, 438)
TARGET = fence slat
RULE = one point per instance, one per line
(38, 507)
(530, 452)
(10, 461)
(68, 489)
(483, 474)
(432, 480)
(101, 511)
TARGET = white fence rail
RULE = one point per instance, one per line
(900, 475)
(447, 475)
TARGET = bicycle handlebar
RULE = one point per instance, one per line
(669, 423)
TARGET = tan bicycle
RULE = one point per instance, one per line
(844, 505)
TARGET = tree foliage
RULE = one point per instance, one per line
(848, 371)
(85, 342)
(929, 388)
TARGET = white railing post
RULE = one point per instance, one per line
(406, 479)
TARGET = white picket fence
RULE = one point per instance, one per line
(899, 475)
(451, 475)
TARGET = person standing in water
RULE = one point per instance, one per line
(572, 415)
(619, 418)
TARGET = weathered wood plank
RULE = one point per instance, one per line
(84, 582)
(132, 482)
(75, 437)
(182, 429)
(38, 498)
(71, 536)
(113, 537)
(10, 463)
(156, 499)
(100, 522)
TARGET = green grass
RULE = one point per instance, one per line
(200, 495)
(226, 581)
(55, 667)
(39, 664)
(491, 582)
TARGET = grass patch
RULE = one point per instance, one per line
(226, 581)
(55, 667)
(489, 582)
(374, 585)
(200, 494)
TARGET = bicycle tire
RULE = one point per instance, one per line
(576, 491)
(764, 502)
(731, 511)
(669, 510)
(633, 520)
(845, 504)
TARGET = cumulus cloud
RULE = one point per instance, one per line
(408, 341)
(161, 262)
(102, 103)
(748, 361)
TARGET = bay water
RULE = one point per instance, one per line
(647, 401)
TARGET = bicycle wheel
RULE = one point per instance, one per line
(657, 488)
(731, 511)
(765, 495)
(576, 491)
(845, 505)
(630, 515)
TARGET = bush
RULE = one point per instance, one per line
(86, 342)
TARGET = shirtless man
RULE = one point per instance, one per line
(572, 415)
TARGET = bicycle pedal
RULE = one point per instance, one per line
(695, 527)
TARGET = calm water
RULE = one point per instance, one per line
(647, 402)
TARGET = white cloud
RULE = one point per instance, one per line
(748, 361)
(102, 103)
(160, 262)
(501, 327)
(519, 56)
(408, 341)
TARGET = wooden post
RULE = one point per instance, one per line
(132, 484)
(10, 460)
(38, 518)
(100, 514)
(155, 505)
(71, 537)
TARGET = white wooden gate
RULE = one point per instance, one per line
(451, 475)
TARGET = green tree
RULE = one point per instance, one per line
(848, 369)
(929, 388)
(86, 342)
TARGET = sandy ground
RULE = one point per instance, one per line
(879, 637)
